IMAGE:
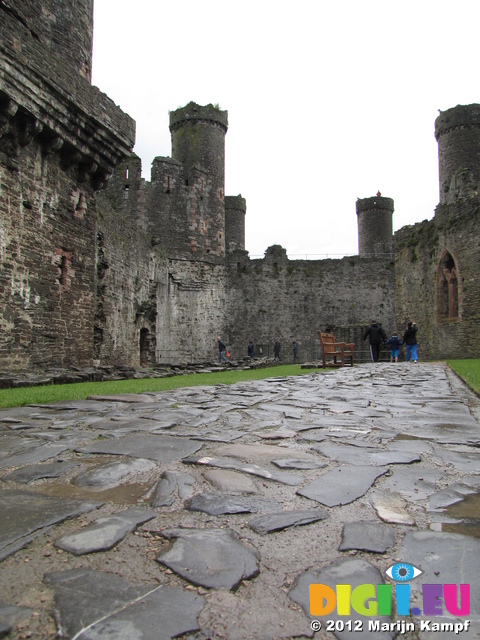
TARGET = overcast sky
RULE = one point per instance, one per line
(328, 100)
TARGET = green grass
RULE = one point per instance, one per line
(469, 371)
(79, 391)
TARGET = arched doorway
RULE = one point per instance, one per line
(447, 288)
(144, 347)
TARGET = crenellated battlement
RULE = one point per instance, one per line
(459, 117)
(193, 112)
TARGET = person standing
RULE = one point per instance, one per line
(222, 350)
(295, 351)
(410, 340)
(251, 349)
(276, 350)
(376, 336)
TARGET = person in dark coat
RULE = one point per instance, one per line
(376, 336)
(222, 350)
(410, 340)
(295, 350)
(276, 350)
(251, 349)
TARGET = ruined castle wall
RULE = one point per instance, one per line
(60, 139)
(127, 269)
(184, 212)
(47, 266)
(151, 309)
(65, 28)
(419, 250)
(277, 298)
(192, 310)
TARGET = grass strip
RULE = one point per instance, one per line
(468, 371)
(46, 394)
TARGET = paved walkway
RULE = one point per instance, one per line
(207, 512)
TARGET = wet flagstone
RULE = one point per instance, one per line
(212, 558)
(159, 448)
(227, 463)
(367, 536)
(379, 465)
(341, 485)
(113, 474)
(169, 486)
(30, 473)
(230, 481)
(32, 454)
(24, 515)
(346, 454)
(284, 519)
(217, 504)
(104, 533)
(94, 605)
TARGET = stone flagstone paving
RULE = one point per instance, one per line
(205, 513)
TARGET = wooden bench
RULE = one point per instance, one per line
(335, 354)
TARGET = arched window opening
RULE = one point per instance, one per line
(447, 289)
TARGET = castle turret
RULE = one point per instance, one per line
(457, 131)
(235, 209)
(374, 218)
(198, 139)
(195, 180)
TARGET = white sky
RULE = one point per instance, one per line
(327, 100)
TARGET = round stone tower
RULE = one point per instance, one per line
(198, 139)
(198, 144)
(235, 209)
(457, 131)
(375, 230)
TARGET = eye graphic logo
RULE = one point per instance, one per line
(403, 572)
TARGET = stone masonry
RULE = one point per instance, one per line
(100, 266)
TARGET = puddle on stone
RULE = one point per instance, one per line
(126, 493)
(468, 511)
(407, 436)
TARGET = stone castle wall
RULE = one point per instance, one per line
(99, 265)
(395, 278)
(60, 140)
(277, 298)
(418, 259)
